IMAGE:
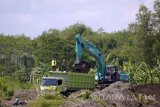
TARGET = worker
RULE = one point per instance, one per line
(54, 64)
(63, 65)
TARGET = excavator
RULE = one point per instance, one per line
(104, 74)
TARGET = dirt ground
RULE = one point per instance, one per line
(120, 94)
(149, 89)
(28, 95)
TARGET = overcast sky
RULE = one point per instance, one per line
(32, 17)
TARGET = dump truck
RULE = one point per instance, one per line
(67, 81)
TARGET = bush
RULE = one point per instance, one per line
(6, 90)
(49, 96)
(47, 103)
(25, 85)
(9, 92)
(142, 73)
(8, 85)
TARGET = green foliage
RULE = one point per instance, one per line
(145, 32)
(50, 46)
(50, 96)
(143, 73)
(27, 63)
(9, 85)
(6, 89)
(70, 32)
(26, 85)
(47, 103)
(11, 48)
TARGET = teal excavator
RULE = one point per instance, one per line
(104, 74)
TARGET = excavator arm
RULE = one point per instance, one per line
(78, 48)
(93, 51)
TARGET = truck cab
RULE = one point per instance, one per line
(50, 84)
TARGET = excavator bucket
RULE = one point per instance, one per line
(82, 67)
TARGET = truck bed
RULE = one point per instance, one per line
(76, 81)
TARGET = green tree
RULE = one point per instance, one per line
(156, 30)
(144, 37)
(27, 63)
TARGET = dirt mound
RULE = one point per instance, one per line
(151, 89)
(26, 94)
(118, 94)
(122, 94)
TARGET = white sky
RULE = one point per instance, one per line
(32, 17)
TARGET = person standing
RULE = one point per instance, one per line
(54, 64)
(63, 65)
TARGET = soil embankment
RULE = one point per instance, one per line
(120, 94)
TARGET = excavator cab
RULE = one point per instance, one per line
(112, 73)
(116, 74)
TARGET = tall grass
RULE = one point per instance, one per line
(46, 101)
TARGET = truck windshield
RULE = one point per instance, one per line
(49, 82)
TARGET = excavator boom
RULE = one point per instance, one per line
(93, 51)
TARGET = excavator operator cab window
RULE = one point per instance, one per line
(111, 68)
(113, 72)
